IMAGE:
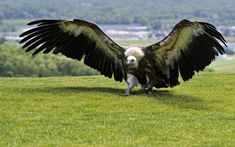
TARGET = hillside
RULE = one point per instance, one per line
(73, 111)
(224, 65)
(151, 12)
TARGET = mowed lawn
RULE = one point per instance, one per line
(224, 64)
(83, 111)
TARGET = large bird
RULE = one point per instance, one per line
(188, 48)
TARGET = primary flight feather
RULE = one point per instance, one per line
(189, 48)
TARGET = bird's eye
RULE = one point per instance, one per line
(132, 60)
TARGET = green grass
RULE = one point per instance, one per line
(83, 111)
(224, 65)
(14, 22)
(230, 39)
(140, 42)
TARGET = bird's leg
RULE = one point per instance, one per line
(149, 90)
(128, 89)
(130, 84)
(149, 86)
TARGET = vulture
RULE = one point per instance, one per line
(187, 49)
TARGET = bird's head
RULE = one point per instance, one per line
(133, 56)
(131, 62)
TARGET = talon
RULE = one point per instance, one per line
(149, 91)
(125, 94)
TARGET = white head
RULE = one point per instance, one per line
(133, 54)
(131, 62)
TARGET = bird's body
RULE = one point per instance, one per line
(139, 75)
(189, 48)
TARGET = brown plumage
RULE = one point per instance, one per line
(189, 48)
(77, 39)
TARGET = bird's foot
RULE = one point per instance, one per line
(149, 92)
(125, 94)
(128, 93)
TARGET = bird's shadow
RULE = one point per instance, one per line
(168, 97)
(88, 89)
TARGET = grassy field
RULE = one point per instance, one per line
(230, 39)
(83, 111)
(224, 65)
(144, 42)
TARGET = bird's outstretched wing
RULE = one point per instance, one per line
(190, 47)
(76, 39)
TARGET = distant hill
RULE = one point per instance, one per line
(149, 12)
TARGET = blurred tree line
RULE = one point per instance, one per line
(149, 12)
(15, 62)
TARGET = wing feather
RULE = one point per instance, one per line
(77, 39)
(190, 46)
